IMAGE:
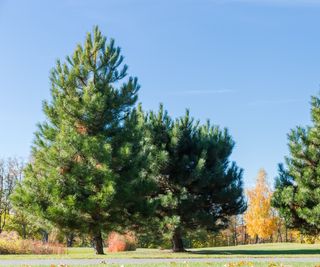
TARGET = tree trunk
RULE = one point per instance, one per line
(45, 236)
(286, 233)
(98, 243)
(177, 244)
(245, 235)
(24, 231)
(235, 239)
(279, 236)
(70, 240)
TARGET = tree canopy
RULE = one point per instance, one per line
(99, 163)
(198, 187)
(297, 194)
(89, 158)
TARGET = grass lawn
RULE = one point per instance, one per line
(262, 250)
(259, 250)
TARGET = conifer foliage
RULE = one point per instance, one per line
(100, 164)
(297, 194)
(84, 151)
(198, 188)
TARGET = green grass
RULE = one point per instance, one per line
(269, 249)
(260, 250)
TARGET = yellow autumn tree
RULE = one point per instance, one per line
(259, 218)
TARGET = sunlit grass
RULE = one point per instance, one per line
(203, 264)
(259, 250)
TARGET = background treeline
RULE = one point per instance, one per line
(260, 223)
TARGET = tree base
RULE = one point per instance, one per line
(98, 243)
(177, 243)
(179, 250)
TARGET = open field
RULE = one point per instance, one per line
(220, 264)
(273, 250)
(261, 255)
(262, 250)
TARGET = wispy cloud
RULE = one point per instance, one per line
(273, 102)
(201, 92)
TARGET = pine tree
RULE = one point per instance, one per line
(259, 218)
(197, 186)
(89, 159)
(297, 194)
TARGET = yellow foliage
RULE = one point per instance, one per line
(259, 218)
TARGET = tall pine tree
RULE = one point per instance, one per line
(197, 185)
(297, 190)
(89, 159)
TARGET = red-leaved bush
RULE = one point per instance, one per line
(11, 243)
(118, 242)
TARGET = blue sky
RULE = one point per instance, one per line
(249, 65)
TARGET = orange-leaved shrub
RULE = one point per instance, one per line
(11, 243)
(121, 242)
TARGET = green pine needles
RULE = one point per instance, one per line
(198, 188)
(100, 164)
(73, 175)
(297, 194)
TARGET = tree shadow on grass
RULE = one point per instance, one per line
(258, 252)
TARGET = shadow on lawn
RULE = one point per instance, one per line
(257, 252)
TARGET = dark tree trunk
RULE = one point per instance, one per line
(45, 236)
(279, 236)
(98, 243)
(235, 239)
(286, 233)
(24, 231)
(70, 240)
(177, 244)
(245, 235)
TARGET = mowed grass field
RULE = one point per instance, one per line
(250, 251)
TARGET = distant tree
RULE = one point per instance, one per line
(198, 188)
(21, 223)
(260, 219)
(10, 175)
(90, 165)
(297, 188)
(27, 225)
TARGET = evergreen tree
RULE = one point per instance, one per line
(197, 186)
(297, 189)
(89, 159)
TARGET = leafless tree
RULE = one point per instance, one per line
(11, 172)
